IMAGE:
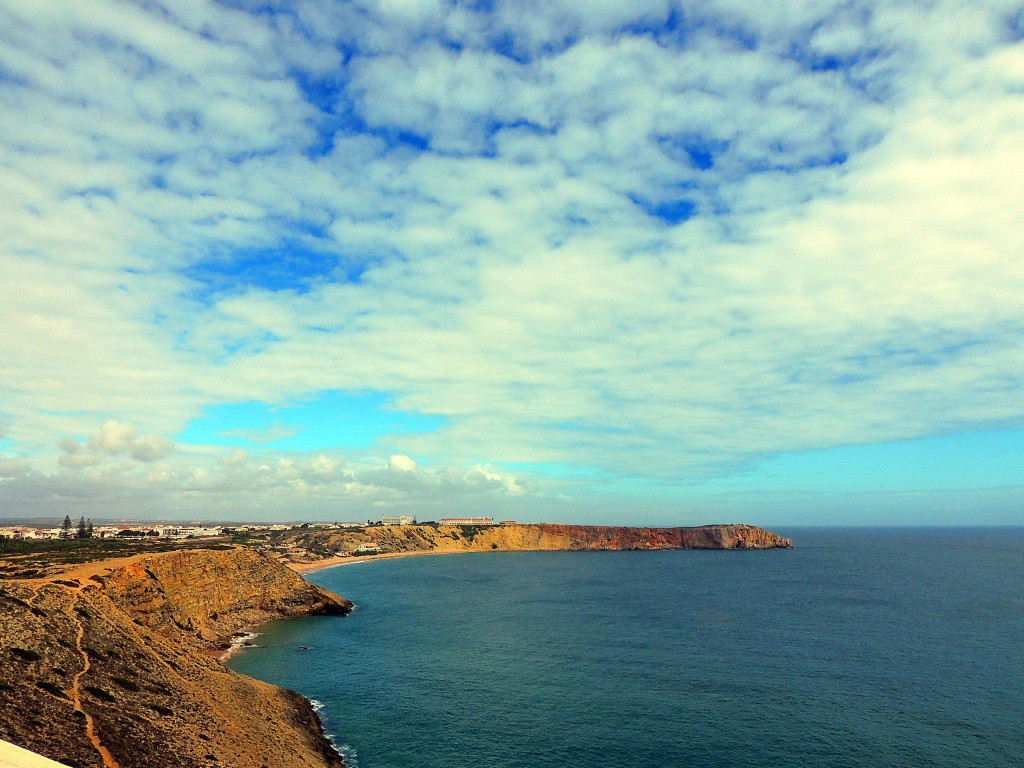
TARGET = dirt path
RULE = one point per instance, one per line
(76, 699)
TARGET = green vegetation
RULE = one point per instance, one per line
(469, 532)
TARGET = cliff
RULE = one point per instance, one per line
(114, 664)
(426, 538)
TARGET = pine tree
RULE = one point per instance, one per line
(81, 527)
(65, 528)
(88, 528)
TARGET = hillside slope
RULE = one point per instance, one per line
(117, 667)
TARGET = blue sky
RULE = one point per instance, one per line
(655, 262)
(332, 420)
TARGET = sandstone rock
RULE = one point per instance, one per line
(544, 537)
(125, 663)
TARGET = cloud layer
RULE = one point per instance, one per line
(611, 246)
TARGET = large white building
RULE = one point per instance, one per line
(188, 531)
(397, 520)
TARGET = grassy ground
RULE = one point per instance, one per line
(34, 557)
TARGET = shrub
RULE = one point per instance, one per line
(99, 693)
(51, 689)
(128, 685)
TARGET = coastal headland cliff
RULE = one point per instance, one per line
(115, 663)
(542, 536)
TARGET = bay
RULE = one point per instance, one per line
(860, 647)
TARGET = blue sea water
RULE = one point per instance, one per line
(856, 648)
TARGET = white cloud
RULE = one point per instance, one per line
(114, 437)
(151, 448)
(13, 467)
(400, 463)
(851, 272)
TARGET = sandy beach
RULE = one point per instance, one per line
(238, 641)
(332, 562)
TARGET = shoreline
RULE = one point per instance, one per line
(334, 562)
(209, 603)
(242, 638)
(239, 640)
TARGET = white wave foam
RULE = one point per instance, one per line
(347, 752)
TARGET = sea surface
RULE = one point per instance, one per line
(857, 648)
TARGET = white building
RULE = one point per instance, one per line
(188, 531)
(397, 520)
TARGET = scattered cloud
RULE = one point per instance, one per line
(13, 467)
(400, 463)
(114, 438)
(655, 242)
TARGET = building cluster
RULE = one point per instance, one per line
(406, 520)
(198, 530)
(176, 531)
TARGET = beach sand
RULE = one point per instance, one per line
(332, 562)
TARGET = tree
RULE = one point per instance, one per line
(65, 528)
(88, 528)
(81, 528)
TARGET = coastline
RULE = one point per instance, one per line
(239, 640)
(178, 617)
(334, 562)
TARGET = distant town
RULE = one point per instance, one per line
(85, 529)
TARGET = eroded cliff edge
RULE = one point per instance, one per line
(114, 664)
(537, 536)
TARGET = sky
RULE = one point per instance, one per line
(657, 262)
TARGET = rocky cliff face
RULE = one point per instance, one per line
(702, 537)
(115, 666)
(211, 594)
(544, 537)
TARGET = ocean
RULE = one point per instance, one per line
(880, 647)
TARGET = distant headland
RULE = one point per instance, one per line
(111, 652)
(316, 547)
